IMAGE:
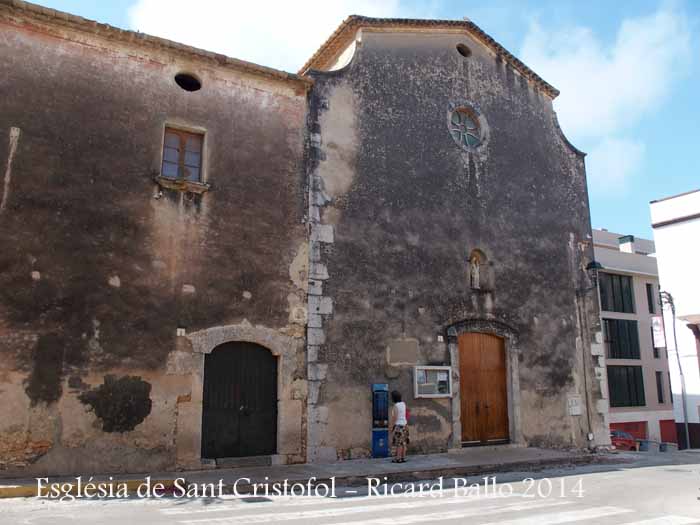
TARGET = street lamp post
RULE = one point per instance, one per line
(665, 298)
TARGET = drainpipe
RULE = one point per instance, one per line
(581, 306)
(592, 269)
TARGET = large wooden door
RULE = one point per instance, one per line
(239, 413)
(482, 388)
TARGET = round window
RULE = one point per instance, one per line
(188, 82)
(464, 50)
(464, 128)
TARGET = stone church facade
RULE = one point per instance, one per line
(204, 258)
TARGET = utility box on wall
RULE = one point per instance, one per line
(380, 420)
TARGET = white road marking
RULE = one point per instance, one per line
(282, 503)
(565, 517)
(666, 520)
(456, 514)
(329, 513)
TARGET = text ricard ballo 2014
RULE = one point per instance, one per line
(88, 488)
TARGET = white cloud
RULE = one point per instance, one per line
(606, 89)
(274, 33)
(613, 161)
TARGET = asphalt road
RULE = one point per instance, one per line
(652, 491)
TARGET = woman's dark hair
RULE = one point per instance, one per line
(395, 396)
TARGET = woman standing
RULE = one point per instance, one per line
(399, 425)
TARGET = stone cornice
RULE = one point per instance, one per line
(59, 19)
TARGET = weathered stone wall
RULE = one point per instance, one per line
(113, 287)
(100, 267)
(398, 207)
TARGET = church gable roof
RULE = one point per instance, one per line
(342, 37)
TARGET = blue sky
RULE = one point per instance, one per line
(629, 72)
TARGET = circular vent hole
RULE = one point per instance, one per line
(188, 82)
(463, 50)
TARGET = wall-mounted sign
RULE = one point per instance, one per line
(573, 403)
(432, 381)
(657, 329)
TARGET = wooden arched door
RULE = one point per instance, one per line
(239, 412)
(483, 390)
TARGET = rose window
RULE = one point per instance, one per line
(464, 128)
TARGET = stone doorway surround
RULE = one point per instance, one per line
(291, 392)
(510, 338)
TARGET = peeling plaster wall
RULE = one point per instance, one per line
(97, 274)
(102, 275)
(397, 207)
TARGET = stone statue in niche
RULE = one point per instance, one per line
(474, 271)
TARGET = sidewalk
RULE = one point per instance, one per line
(465, 462)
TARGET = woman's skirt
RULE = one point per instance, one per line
(399, 436)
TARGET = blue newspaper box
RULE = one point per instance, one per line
(380, 420)
(380, 443)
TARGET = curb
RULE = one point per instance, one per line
(17, 491)
(29, 490)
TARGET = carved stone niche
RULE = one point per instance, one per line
(480, 271)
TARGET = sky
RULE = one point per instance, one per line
(628, 71)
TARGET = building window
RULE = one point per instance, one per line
(626, 386)
(182, 155)
(464, 128)
(670, 388)
(616, 293)
(621, 339)
(656, 350)
(464, 50)
(188, 82)
(660, 386)
(650, 298)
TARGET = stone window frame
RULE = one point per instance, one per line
(512, 348)
(199, 187)
(475, 112)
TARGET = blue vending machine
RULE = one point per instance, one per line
(380, 420)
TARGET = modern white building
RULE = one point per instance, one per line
(676, 224)
(638, 371)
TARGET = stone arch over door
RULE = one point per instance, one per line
(291, 391)
(510, 340)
